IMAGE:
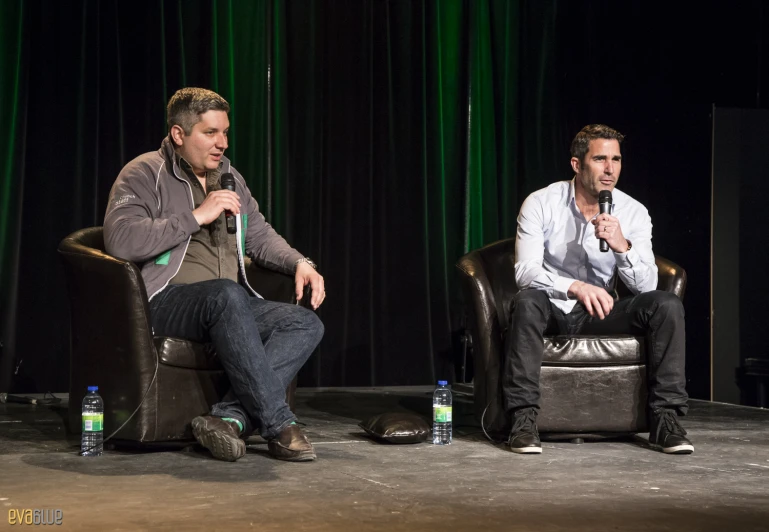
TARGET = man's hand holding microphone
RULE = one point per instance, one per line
(217, 201)
(596, 300)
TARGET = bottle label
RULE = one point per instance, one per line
(441, 414)
(93, 422)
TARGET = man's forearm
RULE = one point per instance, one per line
(139, 239)
(531, 275)
(637, 267)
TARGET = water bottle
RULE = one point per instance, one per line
(442, 414)
(93, 423)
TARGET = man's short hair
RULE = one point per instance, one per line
(581, 143)
(187, 104)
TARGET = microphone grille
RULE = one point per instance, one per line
(227, 181)
(604, 196)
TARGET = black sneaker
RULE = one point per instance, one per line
(524, 437)
(220, 437)
(667, 435)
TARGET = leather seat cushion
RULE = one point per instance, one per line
(593, 350)
(186, 354)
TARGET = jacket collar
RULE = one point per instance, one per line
(175, 160)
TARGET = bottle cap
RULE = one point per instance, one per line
(93, 388)
(442, 383)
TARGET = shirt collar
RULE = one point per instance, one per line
(189, 173)
(572, 199)
(213, 177)
(183, 164)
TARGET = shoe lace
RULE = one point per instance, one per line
(669, 421)
(525, 421)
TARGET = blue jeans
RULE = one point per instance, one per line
(261, 345)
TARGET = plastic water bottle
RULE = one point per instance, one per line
(93, 423)
(442, 414)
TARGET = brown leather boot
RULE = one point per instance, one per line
(220, 437)
(292, 445)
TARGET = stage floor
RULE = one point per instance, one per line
(358, 484)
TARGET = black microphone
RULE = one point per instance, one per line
(604, 205)
(228, 183)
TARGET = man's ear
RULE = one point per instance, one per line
(177, 135)
(575, 165)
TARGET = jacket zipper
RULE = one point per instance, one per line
(187, 244)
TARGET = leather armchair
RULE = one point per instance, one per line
(590, 385)
(112, 346)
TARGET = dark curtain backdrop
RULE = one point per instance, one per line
(375, 135)
(383, 138)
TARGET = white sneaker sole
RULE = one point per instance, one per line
(679, 449)
(527, 450)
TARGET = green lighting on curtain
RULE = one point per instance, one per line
(10, 66)
(481, 223)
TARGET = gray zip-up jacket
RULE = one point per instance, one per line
(149, 221)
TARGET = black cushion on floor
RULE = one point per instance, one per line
(397, 427)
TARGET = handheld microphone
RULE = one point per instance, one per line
(604, 205)
(228, 183)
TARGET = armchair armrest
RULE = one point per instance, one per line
(274, 285)
(485, 326)
(671, 276)
(111, 336)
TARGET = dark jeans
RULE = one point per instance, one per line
(657, 315)
(261, 345)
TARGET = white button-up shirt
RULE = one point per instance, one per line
(555, 245)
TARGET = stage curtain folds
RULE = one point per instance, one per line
(383, 139)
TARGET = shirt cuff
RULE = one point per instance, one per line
(625, 260)
(561, 288)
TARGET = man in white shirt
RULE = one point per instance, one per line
(565, 283)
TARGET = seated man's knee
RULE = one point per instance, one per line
(296, 318)
(668, 302)
(312, 323)
(527, 301)
(229, 293)
(530, 307)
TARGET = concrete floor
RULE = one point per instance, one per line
(358, 484)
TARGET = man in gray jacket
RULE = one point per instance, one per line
(168, 212)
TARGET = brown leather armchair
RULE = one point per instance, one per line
(590, 385)
(112, 346)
